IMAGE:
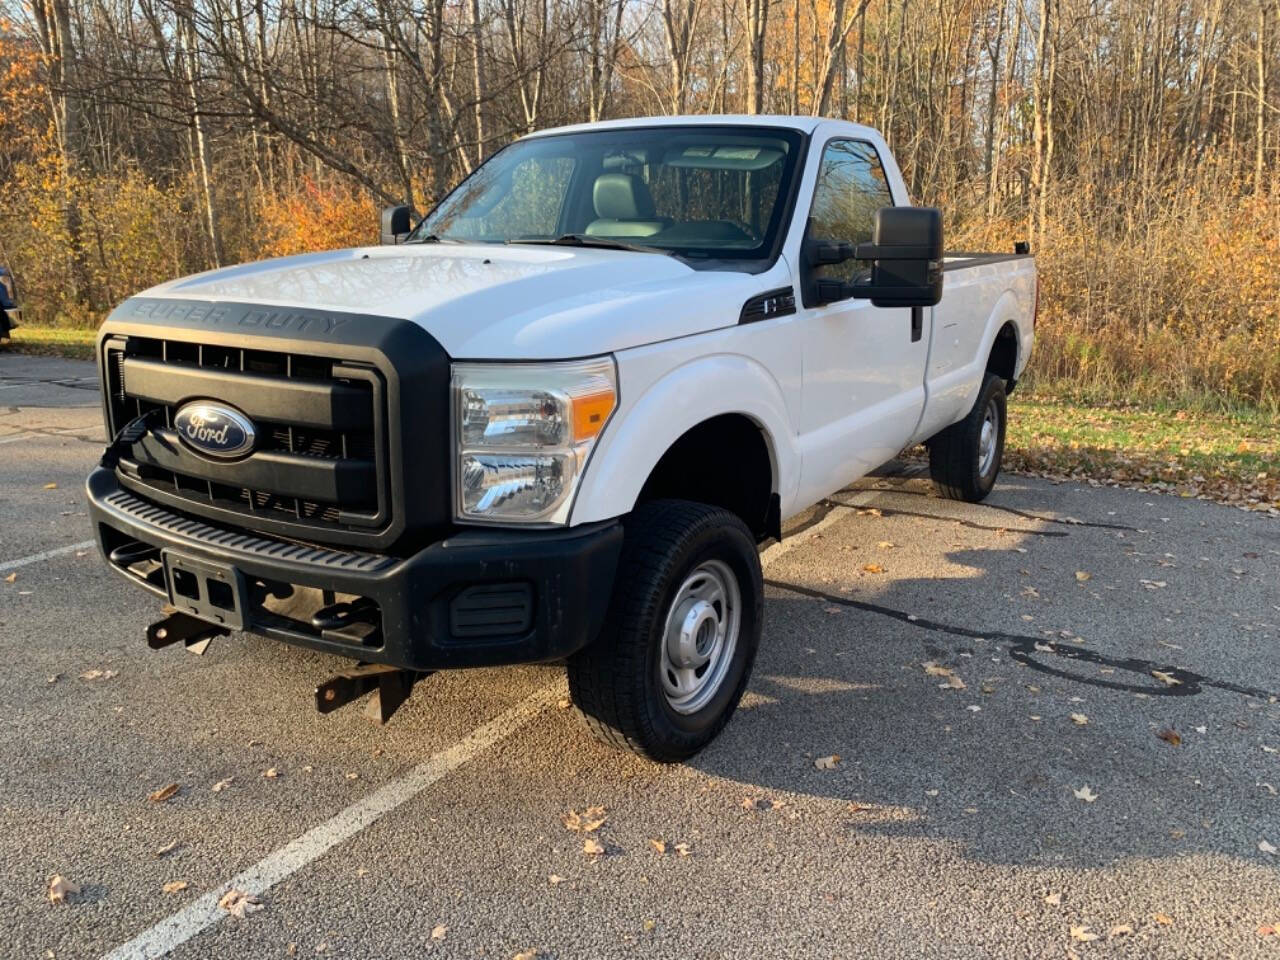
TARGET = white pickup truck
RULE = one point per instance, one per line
(557, 417)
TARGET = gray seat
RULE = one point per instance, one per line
(624, 207)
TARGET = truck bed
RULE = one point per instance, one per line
(957, 260)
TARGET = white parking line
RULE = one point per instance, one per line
(293, 856)
(6, 565)
(204, 912)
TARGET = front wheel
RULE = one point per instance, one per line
(964, 459)
(680, 637)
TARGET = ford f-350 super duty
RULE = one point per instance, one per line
(556, 418)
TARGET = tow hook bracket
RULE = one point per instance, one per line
(177, 627)
(391, 687)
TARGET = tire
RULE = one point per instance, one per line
(962, 464)
(629, 688)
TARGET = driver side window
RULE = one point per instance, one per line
(851, 187)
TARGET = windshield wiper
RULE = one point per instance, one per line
(587, 240)
(435, 238)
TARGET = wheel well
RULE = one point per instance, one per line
(725, 462)
(1003, 361)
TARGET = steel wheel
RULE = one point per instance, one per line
(700, 635)
(988, 439)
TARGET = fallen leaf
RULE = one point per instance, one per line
(1170, 735)
(353, 776)
(526, 955)
(885, 544)
(682, 849)
(1120, 930)
(1083, 575)
(1168, 679)
(163, 794)
(438, 931)
(873, 568)
(592, 846)
(1082, 934)
(777, 804)
(271, 773)
(649, 925)
(1053, 899)
(239, 904)
(1079, 719)
(222, 785)
(60, 888)
(564, 703)
(11, 578)
(658, 845)
(51, 486)
(952, 683)
(1267, 848)
(748, 803)
(175, 886)
(1085, 794)
(1269, 930)
(1163, 918)
(97, 675)
(827, 763)
(555, 878)
(167, 848)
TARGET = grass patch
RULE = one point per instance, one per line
(1231, 458)
(72, 342)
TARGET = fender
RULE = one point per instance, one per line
(646, 425)
(952, 395)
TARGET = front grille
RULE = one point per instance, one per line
(320, 460)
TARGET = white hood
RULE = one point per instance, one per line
(495, 302)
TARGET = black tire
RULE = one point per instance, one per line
(616, 682)
(956, 454)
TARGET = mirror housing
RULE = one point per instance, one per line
(905, 255)
(397, 223)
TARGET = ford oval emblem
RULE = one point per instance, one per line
(214, 429)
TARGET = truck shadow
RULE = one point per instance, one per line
(994, 766)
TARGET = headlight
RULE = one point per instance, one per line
(523, 433)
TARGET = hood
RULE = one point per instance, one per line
(484, 301)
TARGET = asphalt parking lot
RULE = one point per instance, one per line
(1055, 715)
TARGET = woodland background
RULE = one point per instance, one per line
(1136, 143)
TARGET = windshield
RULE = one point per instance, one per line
(712, 192)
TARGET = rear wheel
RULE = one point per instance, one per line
(964, 459)
(681, 634)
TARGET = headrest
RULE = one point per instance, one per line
(620, 196)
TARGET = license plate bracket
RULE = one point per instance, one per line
(215, 592)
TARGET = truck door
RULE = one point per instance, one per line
(864, 366)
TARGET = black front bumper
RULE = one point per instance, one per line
(477, 598)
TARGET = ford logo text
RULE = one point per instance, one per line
(214, 429)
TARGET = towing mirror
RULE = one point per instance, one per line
(905, 255)
(397, 223)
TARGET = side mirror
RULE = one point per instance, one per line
(905, 255)
(906, 258)
(397, 223)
